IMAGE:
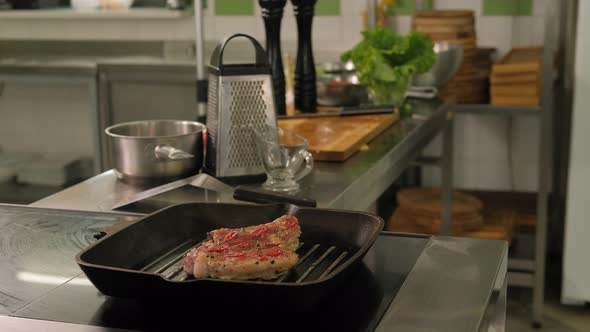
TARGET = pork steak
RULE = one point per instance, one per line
(264, 251)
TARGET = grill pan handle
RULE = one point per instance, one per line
(261, 59)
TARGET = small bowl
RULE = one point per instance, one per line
(338, 85)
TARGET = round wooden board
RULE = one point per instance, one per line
(472, 223)
(474, 77)
(445, 13)
(441, 37)
(429, 199)
(466, 42)
(453, 22)
(402, 219)
(443, 29)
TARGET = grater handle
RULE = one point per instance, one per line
(217, 57)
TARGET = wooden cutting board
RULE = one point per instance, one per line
(515, 79)
(339, 137)
(515, 100)
(527, 60)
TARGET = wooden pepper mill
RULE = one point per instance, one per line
(272, 13)
(305, 77)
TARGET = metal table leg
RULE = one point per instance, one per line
(545, 157)
(96, 133)
(447, 176)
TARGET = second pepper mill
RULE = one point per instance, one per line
(305, 77)
(272, 12)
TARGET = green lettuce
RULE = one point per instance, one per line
(386, 61)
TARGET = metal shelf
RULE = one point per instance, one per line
(486, 109)
(530, 272)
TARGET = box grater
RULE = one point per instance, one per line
(240, 100)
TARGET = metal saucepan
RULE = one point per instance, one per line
(156, 149)
(338, 85)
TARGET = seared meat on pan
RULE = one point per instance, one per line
(284, 232)
(258, 252)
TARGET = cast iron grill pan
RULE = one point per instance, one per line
(145, 259)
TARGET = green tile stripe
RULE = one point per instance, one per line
(234, 7)
(507, 7)
(408, 7)
(328, 8)
(246, 7)
(525, 8)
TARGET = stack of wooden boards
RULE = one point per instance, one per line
(419, 211)
(469, 86)
(517, 78)
(483, 59)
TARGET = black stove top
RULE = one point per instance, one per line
(356, 306)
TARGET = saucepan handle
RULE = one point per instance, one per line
(168, 152)
(307, 156)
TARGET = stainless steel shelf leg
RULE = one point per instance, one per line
(104, 116)
(96, 135)
(545, 152)
(447, 176)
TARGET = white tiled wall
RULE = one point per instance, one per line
(481, 159)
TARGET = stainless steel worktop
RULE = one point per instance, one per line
(79, 65)
(355, 184)
(420, 283)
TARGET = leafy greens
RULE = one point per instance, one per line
(386, 61)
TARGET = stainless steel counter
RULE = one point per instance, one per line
(424, 284)
(355, 184)
(80, 65)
